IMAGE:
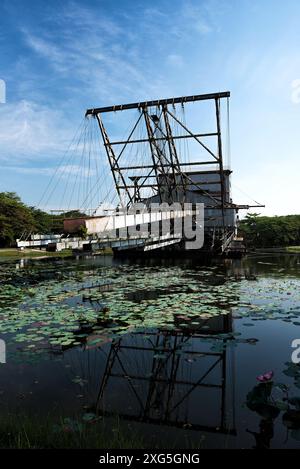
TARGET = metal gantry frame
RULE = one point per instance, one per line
(163, 381)
(165, 175)
(166, 169)
(171, 169)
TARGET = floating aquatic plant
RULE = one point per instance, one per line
(45, 307)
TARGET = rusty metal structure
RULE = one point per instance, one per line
(164, 176)
(150, 165)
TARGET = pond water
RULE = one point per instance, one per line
(171, 348)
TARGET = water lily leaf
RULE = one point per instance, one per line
(89, 417)
(281, 405)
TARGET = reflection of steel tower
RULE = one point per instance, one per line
(159, 391)
(165, 387)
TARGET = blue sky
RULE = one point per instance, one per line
(59, 58)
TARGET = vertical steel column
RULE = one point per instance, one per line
(114, 166)
(173, 154)
(220, 159)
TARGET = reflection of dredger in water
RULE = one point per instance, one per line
(161, 372)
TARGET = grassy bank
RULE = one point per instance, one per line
(18, 431)
(18, 254)
(27, 432)
(13, 253)
(278, 250)
(295, 249)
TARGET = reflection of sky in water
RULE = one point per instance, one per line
(207, 321)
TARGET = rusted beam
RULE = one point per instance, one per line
(182, 183)
(174, 137)
(153, 151)
(173, 151)
(158, 102)
(220, 157)
(191, 163)
(112, 159)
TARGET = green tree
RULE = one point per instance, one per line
(262, 231)
(17, 219)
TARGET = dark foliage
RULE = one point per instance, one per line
(17, 219)
(260, 231)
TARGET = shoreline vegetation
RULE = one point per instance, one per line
(280, 232)
(18, 219)
(293, 249)
(15, 253)
(87, 431)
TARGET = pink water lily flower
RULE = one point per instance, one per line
(265, 377)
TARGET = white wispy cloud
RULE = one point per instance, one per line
(48, 50)
(175, 59)
(29, 130)
(110, 57)
(99, 59)
(197, 16)
(92, 59)
(202, 27)
(93, 49)
(63, 172)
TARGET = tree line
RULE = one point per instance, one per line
(17, 219)
(263, 232)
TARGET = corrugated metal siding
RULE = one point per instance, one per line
(213, 217)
